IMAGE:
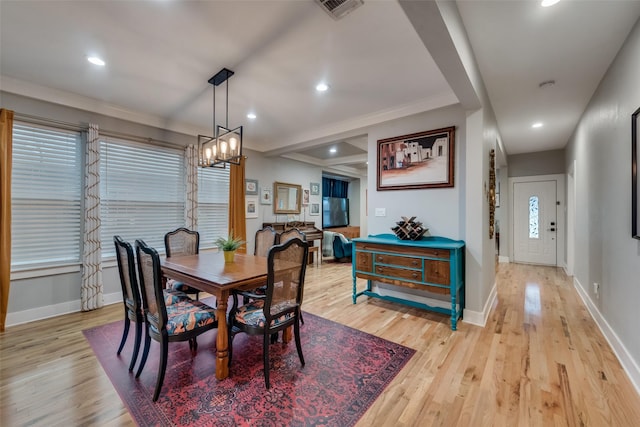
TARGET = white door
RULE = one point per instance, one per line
(534, 222)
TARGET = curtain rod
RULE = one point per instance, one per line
(102, 132)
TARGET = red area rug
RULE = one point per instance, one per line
(345, 371)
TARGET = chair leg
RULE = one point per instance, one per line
(136, 345)
(301, 319)
(145, 352)
(296, 333)
(162, 367)
(265, 361)
(193, 344)
(127, 322)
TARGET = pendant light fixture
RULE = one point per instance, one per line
(226, 145)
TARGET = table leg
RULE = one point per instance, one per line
(222, 344)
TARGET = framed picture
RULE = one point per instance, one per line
(305, 197)
(419, 160)
(251, 186)
(635, 161)
(265, 196)
(251, 207)
(314, 188)
(315, 209)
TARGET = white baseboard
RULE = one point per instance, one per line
(626, 360)
(480, 318)
(48, 311)
(503, 258)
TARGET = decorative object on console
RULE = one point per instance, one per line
(408, 229)
(226, 145)
(419, 160)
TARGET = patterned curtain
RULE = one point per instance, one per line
(237, 221)
(191, 173)
(6, 149)
(91, 289)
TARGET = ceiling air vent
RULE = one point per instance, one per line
(339, 8)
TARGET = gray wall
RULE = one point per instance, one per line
(539, 163)
(601, 147)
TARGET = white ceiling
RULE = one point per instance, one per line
(161, 53)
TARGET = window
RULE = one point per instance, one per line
(533, 217)
(213, 205)
(46, 193)
(142, 192)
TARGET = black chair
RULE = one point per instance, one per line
(280, 308)
(182, 241)
(182, 321)
(131, 296)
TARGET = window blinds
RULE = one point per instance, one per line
(213, 205)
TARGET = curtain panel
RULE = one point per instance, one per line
(237, 221)
(335, 188)
(91, 289)
(6, 149)
(191, 175)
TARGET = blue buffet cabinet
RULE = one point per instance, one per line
(431, 264)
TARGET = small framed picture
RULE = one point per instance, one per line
(314, 188)
(251, 186)
(251, 207)
(315, 209)
(305, 197)
(265, 196)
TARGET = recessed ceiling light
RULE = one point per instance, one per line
(536, 125)
(251, 116)
(322, 87)
(96, 61)
(332, 150)
(547, 3)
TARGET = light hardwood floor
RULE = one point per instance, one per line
(540, 361)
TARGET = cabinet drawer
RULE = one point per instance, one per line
(399, 261)
(400, 273)
(363, 261)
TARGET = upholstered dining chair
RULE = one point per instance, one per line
(265, 238)
(182, 241)
(131, 296)
(291, 233)
(182, 321)
(280, 308)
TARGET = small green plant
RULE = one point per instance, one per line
(229, 243)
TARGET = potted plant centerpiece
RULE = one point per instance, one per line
(228, 245)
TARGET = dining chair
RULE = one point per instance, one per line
(131, 296)
(291, 233)
(280, 308)
(182, 321)
(265, 238)
(178, 242)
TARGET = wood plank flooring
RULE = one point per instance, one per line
(540, 361)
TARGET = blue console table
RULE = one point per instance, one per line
(433, 264)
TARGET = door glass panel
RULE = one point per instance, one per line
(533, 217)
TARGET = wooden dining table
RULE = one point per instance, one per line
(209, 273)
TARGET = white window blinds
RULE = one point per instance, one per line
(213, 205)
(142, 192)
(46, 192)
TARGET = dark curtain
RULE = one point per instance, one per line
(334, 188)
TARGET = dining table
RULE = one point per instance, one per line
(208, 272)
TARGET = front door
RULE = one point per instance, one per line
(535, 226)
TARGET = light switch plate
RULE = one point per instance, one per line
(381, 212)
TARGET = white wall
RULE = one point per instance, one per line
(604, 250)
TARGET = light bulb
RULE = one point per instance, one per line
(232, 144)
(207, 152)
(223, 147)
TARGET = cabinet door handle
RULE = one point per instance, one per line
(415, 262)
(415, 275)
(380, 258)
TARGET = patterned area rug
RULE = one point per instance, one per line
(345, 371)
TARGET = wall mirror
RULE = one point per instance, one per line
(286, 198)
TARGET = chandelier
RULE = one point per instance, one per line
(226, 145)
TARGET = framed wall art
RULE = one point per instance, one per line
(305, 197)
(251, 187)
(265, 196)
(419, 160)
(251, 207)
(314, 187)
(315, 209)
(635, 161)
